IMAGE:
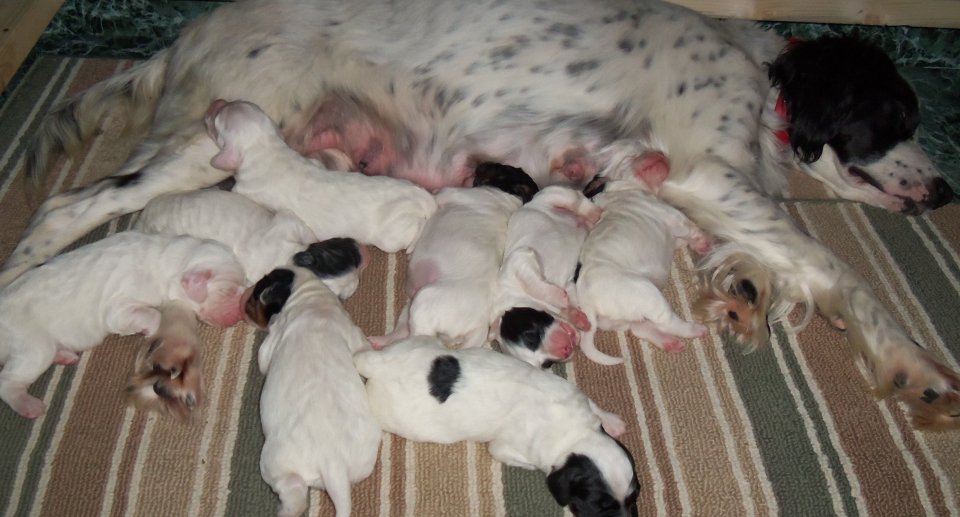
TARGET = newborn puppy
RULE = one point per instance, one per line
(315, 415)
(535, 320)
(262, 239)
(381, 211)
(626, 259)
(531, 418)
(452, 273)
(112, 286)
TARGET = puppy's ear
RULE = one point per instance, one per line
(228, 159)
(194, 283)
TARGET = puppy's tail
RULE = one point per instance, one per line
(588, 343)
(337, 486)
(132, 94)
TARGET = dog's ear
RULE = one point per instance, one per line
(194, 283)
(228, 159)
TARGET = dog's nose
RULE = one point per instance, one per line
(940, 193)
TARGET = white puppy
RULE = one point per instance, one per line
(317, 422)
(535, 320)
(452, 273)
(261, 238)
(627, 256)
(384, 212)
(531, 418)
(112, 286)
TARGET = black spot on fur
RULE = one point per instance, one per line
(444, 373)
(525, 326)
(625, 45)
(647, 61)
(595, 186)
(681, 88)
(127, 180)
(579, 67)
(564, 29)
(256, 51)
(330, 258)
(576, 272)
(511, 180)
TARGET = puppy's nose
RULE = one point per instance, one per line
(940, 193)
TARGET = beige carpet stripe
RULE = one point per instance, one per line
(738, 428)
(825, 352)
(127, 468)
(441, 479)
(111, 490)
(945, 221)
(934, 252)
(220, 389)
(683, 281)
(383, 467)
(649, 472)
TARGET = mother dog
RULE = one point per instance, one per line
(424, 90)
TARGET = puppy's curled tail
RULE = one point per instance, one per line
(588, 343)
(72, 122)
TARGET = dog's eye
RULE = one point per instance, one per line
(733, 315)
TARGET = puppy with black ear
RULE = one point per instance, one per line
(318, 425)
(531, 418)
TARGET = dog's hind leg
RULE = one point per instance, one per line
(66, 217)
(338, 488)
(293, 492)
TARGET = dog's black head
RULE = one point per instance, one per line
(523, 331)
(268, 296)
(330, 258)
(846, 93)
(511, 180)
(580, 484)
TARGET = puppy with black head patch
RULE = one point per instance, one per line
(319, 429)
(452, 273)
(534, 318)
(261, 238)
(531, 418)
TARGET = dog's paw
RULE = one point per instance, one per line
(27, 406)
(168, 377)
(65, 357)
(613, 424)
(930, 389)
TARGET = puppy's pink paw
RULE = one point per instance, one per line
(579, 319)
(613, 424)
(378, 342)
(65, 357)
(672, 345)
(28, 406)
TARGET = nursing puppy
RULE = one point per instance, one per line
(261, 238)
(112, 286)
(531, 418)
(535, 320)
(626, 259)
(317, 422)
(452, 274)
(384, 212)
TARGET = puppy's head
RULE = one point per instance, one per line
(601, 483)
(536, 336)
(234, 126)
(337, 262)
(738, 295)
(847, 95)
(268, 296)
(511, 180)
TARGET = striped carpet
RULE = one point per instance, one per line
(791, 429)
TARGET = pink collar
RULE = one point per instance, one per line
(780, 108)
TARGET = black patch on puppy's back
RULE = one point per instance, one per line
(525, 326)
(444, 373)
(511, 180)
(330, 258)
